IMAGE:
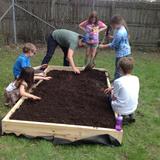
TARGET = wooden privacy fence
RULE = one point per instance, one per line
(143, 18)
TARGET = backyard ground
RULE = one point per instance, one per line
(141, 140)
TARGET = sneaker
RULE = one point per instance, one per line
(132, 118)
(127, 119)
(6, 104)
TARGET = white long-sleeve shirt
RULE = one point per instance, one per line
(126, 91)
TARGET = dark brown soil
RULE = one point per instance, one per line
(70, 99)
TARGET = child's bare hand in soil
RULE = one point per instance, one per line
(108, 90)
(47, 78)
(35, 97)
(76, 71)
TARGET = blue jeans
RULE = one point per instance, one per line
(51, 46)
(117, 73)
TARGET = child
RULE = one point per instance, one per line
(21, 86)
(125, 91)
(23, 59)
(92, 27)
(120, 42)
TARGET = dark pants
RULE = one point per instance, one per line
(117, 73)
(109, 100)
(51, 46)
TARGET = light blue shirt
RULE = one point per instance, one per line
(21, 62)
(120, 42)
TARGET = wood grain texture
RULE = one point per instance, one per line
(143, 18)
(65, 131)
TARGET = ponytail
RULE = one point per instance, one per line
(125, 25)
(117, 19)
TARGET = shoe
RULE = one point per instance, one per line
(88, 68)
(132, 118)
(6, 104)
(93, 65)
(128, 119)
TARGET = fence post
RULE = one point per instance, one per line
(93, 5)
(112, 9)
(14, 22)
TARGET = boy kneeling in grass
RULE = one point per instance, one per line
(125, 91)
(23, 60)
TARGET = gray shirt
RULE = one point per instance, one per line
(66, 38)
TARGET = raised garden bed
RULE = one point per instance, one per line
(73, 108)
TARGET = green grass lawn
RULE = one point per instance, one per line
(141, 140)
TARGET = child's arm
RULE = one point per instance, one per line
(108, 90)
(103, 46)
(37, 77)
(102, 29)
(117, 90)
(28, 95)
(115, 43)
(113, 97)
(82, 25)
(102, 26)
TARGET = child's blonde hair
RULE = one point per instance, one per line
(126, 64)
(29, 47)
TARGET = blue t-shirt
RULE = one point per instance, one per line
(120, 42)
(21, 62)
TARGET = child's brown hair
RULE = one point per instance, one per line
(117, 19)
(27, 75)
(29, 47)
(126, 64)
(91, 16)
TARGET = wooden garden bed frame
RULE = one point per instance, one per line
(63, 131)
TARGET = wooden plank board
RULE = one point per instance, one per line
(64, 131)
